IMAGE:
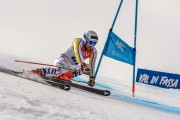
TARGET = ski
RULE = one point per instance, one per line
(91, 89)
(63, 86)
(82, 87)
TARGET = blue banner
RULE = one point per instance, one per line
(118, 49)
(159, 79)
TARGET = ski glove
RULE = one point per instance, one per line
(85, 68)
(75, 72)
(91, 81)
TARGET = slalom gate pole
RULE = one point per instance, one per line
(28, 62)
(135, 36)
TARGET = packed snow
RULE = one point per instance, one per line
(23, 99)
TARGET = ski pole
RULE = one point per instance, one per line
(28, 62)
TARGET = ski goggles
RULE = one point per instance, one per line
(92, 42)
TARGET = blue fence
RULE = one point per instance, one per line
(159, 79)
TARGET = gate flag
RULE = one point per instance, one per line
(117, 49)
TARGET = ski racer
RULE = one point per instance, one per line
(74, 58)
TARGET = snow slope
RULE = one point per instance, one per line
(22, 99)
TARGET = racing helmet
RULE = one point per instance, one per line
(91, 37)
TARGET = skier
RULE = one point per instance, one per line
(74, 58)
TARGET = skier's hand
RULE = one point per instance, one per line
(75, 72)
(91, 81)
(85, 69)
(83, 65)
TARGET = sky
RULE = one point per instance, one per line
(40, 30)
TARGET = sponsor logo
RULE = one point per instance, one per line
(158, 79)
(106, 93)
(120, 45)
(85, 54)
(116, 54)
(163, 80)
(74, 60)
(66, 87)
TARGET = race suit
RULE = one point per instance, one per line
(75, 56)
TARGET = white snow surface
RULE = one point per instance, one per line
(23, 99)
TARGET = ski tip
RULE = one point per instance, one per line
(107, 93)
(66, 87)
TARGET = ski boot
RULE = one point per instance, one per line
(38, 71)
